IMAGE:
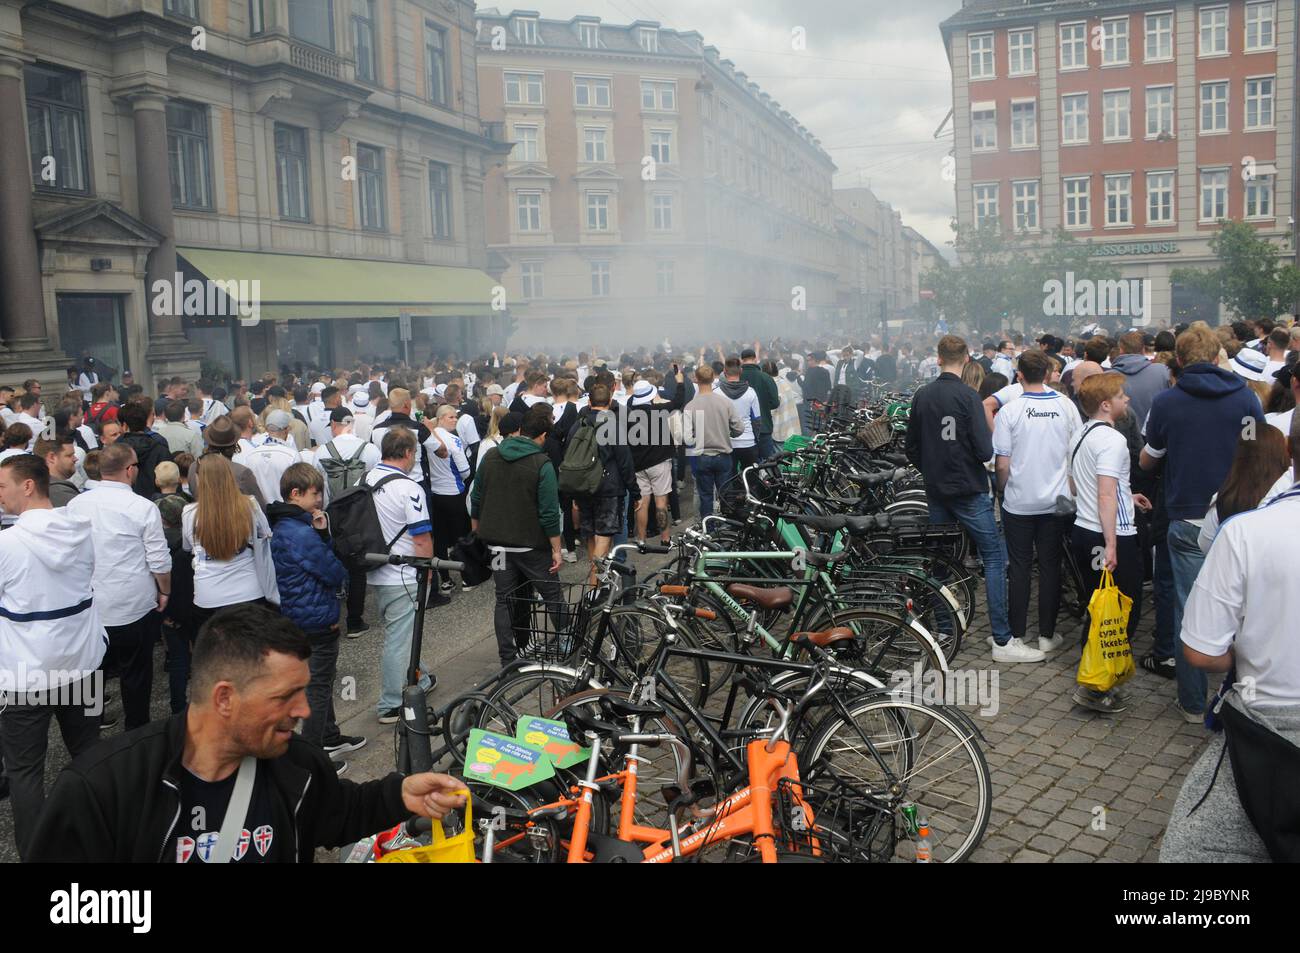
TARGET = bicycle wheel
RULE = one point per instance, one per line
(639, 631)
(517, 840)
(534, 690)
(659, 773)
(883, 643)
(901, 751)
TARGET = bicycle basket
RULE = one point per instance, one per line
(832, 821)
(876, 434)
(550, 619)
(444, 850)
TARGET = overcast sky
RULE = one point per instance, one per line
(873, 83)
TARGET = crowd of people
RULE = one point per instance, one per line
(132, 518)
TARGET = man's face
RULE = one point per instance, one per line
(1118, 405)
(13, 496)
(63, 463)
(265, 713)
(110, 433)
(36, 388)
(309, 499)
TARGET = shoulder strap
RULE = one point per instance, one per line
(236, 812)
(356, 455)
(333, 452)
(1081, 440)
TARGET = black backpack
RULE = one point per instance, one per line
(354, 523)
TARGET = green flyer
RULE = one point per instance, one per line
(504, 762)
(552, 737)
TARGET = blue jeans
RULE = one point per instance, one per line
(766, 448)
(710, 473)
(975, 513)
(1185, 558)
(396, 605)
(1162, 586)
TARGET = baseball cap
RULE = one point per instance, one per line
(496, 390)
(1249, 364)
(278, 420)
(340, 415)
(361, 400)
(317, 387)
(1284, 374)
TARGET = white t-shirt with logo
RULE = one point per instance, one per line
(400, 505)
(1035, 431)
(1102, 451)
(1007, 394)
(1245, 598)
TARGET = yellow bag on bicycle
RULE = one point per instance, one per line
(444, 849)
(1107, 657)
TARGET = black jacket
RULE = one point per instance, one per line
(148, 453)
(948, 438)
(649, 431)
(557, 441)
(817, 384)
(121, 802)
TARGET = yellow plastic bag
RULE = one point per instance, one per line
(1107, 658)
(444, 849)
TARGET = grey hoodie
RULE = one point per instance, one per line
(1143, 379)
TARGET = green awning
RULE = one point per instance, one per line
(311, 287)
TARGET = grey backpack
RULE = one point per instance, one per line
(342, 474)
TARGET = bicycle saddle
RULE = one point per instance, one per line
(823, 560)
(897, 459)
(826, 637)
(865, 480)
(773, 597)
(824, 524)
(629, 709)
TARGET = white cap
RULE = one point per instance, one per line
(1250, 364)
(361, 400)
(317, 387)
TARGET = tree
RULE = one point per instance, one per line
(1251, 279)
(1001, 277)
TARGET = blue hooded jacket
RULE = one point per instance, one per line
(307, 572)
(1195, 426)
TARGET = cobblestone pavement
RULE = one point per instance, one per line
(1053, 765)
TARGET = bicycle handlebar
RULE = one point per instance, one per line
(420, 562)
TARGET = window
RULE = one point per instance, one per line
(661, 146)
(1259, 102)
(1214, 31)
(648, 37)
(1115, 113)
(1078, 213)
(1214, 195)
(1259, 197)
(363, 39)
(981, 56)
(597, 211)
(524, 88)
(589, 35)
(1024, 125)
(435, 63)
(593, 144)
(1074, 46)
(526, 144)
(56, 126)
(1160, 198)
(1159, 36)
(182, 8)
(660, 95)
(591, 92)
(1214, 107)
(312, 21)
(663, 213)
(370, 179)
(530, 279)
(986, 204)
(600, 279)
(1024, 196)
(1160, 111)
(291, 172)
(984, 127)
(664, 277)
(1114, 42)
(187, 153)
(440, 199)
(1074, 118)
(526, 30)
(1119, 200)
(528, 205)
(709, 165)
(1259, 26)
(1020, 52)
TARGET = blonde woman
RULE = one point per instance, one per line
(298, 432)
(494, 437)
(224, 530)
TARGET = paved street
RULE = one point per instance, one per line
(1052, 764)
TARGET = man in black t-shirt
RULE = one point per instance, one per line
(160, 793)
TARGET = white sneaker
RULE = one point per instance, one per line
(568, 556)
(1016, 651)
(1048, 646)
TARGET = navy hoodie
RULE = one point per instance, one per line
(1195, 427)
